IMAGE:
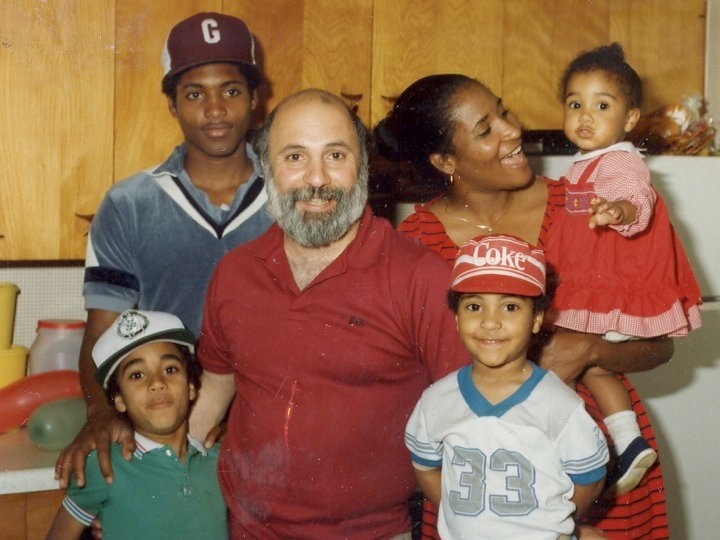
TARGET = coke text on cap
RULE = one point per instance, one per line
(499, 264)
(131, 329)
(207, 38)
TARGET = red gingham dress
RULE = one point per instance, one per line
(637, 282)
(641, 513)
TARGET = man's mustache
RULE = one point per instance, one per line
(324, 193)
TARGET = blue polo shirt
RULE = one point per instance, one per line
(155, 495)
(156, 240)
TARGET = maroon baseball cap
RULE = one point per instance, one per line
(207, 38)
(500, 264)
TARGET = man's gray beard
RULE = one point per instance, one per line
(312, 229)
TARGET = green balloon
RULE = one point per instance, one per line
(54, 424)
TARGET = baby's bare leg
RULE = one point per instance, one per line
(635, 454)
(607, 390)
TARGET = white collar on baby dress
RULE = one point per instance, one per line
(623, 146)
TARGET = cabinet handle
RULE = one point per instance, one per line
(86, 217)
(354, 100)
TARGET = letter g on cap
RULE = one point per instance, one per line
(210, 31)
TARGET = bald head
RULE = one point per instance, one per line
(313, 94)
(315, 162)
(305, 97)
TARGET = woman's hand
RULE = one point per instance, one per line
(96, 529)
(568, 354)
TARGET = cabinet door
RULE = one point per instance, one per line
(519, 49)
(665, 43)
(29, 516)
(56, 68)
(313, 43)
(414, 38)
(662, 40)
(541, 38)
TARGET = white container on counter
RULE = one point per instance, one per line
(56, 346)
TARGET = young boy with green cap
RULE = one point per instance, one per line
(169, 489)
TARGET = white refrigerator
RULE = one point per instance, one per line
(683, 396)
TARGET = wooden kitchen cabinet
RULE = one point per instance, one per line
(28, 516)
(81, 105)
(56, 136)
(663, 40)
(314, 43)
(519, 48)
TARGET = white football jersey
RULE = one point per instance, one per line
(508, 470)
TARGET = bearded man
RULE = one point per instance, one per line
(324, 330)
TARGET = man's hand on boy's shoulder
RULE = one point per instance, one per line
(215, 435)
(99, 432)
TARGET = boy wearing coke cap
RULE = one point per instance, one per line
(158, 235)
(146, 364)
(503, 447)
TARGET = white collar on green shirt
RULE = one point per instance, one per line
(143, 444)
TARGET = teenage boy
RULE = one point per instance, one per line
(503, 447)
(146, 364)
(158, 235)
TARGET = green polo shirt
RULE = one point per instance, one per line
(154, 495)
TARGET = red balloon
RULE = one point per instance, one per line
(20, 399)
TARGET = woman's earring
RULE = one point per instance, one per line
(452, 179)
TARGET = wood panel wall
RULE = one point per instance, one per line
(56, 122)
(81, 105)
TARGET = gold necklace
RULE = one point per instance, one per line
(488, 228)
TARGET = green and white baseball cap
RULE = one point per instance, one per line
(131, 329)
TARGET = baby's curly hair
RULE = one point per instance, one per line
(611, 60)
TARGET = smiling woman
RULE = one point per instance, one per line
(434, 124)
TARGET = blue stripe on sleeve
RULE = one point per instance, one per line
(112, 276)
(587, 478)
(426, 462)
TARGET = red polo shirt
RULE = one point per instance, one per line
(326, 378)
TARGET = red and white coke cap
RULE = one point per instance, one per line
(207, 38)
(500, 264)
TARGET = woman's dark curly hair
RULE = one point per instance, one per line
(189, 360)
(421, 123)
(611, 60)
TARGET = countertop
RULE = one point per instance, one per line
(23, 466)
